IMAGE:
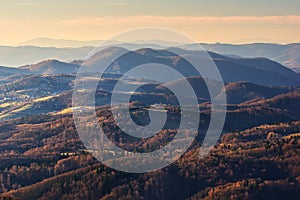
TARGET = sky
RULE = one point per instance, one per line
(207, 21)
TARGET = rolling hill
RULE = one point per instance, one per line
(256, 70)
(257, 162)
(238, 92)
(9, 71)
(51, 67)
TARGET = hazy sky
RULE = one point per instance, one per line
(231, 21)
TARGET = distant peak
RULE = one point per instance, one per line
(154, 52)
(49, 61)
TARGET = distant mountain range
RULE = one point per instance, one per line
(260, 71)
(59, 43)
(288, 55)
(63, 43)
(27, 55)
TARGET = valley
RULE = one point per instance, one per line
(257, 157)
